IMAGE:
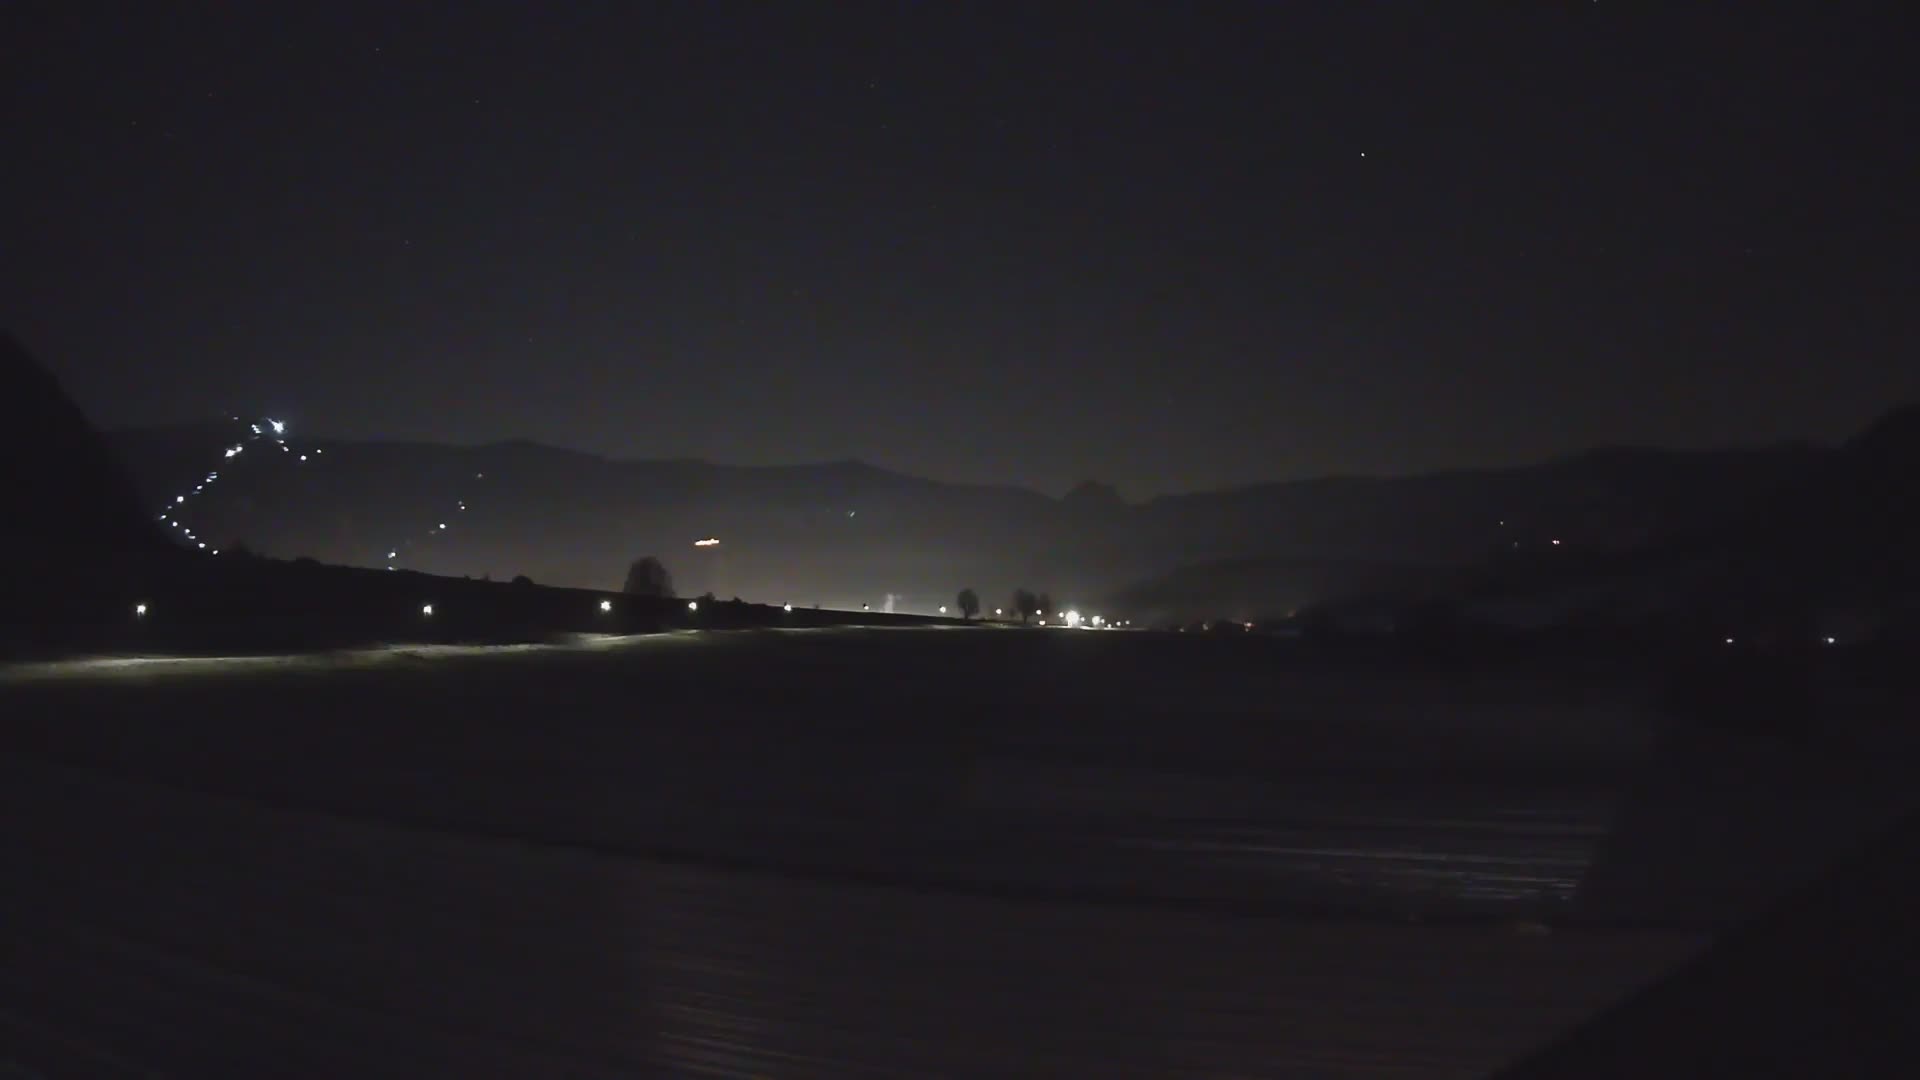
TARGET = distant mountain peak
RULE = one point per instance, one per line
(1094, 493)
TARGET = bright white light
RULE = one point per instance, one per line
(943, 609)
(1556, 543)
(693, 605)
(997, 611)
(866, 607)
(279, 426)
(203, 545)
(139, 610)
(1830, 641)
(303, 457)
(786, 607)
(255, 427)
(443, 525)
(1729, 641)
(179, 499)
(393, 554)
(215, 551)
(710, 541)
(1072, 617)
(1043, 622)
(426, 609)
(233, 450)
(606, 605)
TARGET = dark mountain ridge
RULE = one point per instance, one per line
(845, 533)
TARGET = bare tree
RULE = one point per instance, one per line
(1025, 603)
(648, 577)
(969, 602)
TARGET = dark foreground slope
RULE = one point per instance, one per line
(1823, 985)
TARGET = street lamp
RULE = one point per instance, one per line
(606, 605)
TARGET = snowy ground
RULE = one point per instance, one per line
(822, 853)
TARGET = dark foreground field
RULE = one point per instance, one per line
(812, 853)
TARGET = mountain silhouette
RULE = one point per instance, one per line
(71, 504)
(846, 532)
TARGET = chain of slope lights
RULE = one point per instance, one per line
(273, 434)
(438, 529)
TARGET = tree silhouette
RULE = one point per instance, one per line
(1046, 606)
(1025, 603)
(969, 602)
(648, 577)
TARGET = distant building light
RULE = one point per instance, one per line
(693, 605)
(427, 610)
(709, 541)
(786, 607)
(997, 611)
(866, 607)
(606, 605)
(279, 426)
(1043, 622)
(1072, 617)
(393, 554)
(443, 525)
(943, 609)
(139, 611)
(303, 457)
(203, 545)
(1556, 543)
(179, 499)
(1831, 641)
(1729, 641)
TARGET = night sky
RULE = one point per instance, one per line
(1162, 247)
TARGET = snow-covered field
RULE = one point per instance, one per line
(809, 854)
